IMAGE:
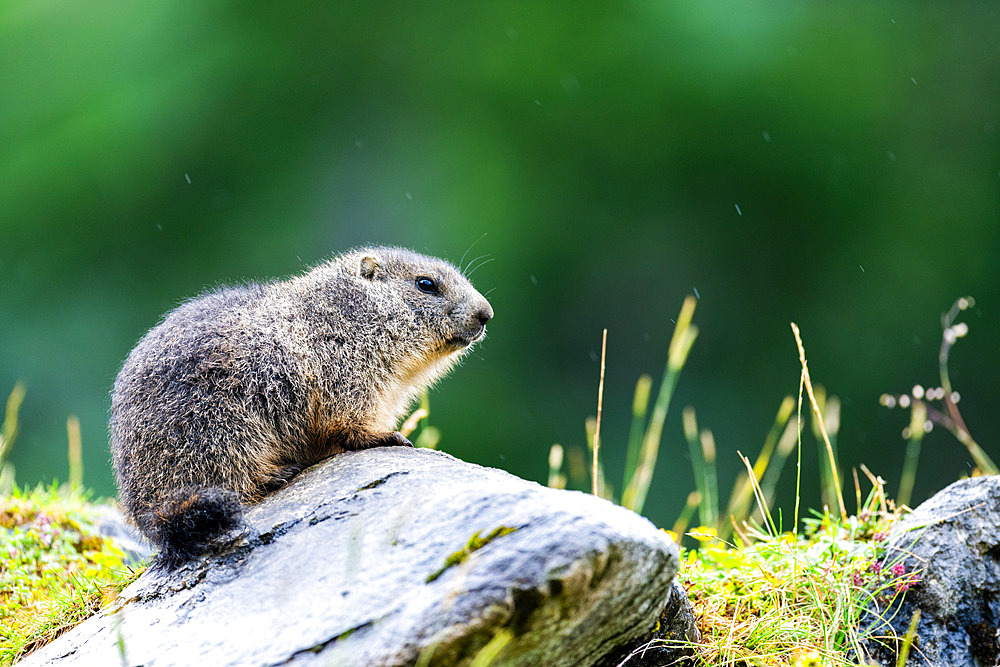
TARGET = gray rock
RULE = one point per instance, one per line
(953, 542)
(669, 643)
(110, 523)
(354, 563)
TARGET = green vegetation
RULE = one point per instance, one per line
(475, 543)
(55, 569)
(428, 436)
(778, 598)
(766, 593)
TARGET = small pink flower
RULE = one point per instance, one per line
(904, 581)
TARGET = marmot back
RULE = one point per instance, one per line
(237, 390)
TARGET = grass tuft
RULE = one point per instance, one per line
(56, 569)
(787, 599)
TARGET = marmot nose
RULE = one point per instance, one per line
(485, 315)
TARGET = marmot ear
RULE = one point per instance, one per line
(369, 267)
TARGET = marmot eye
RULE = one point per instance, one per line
(427, 285)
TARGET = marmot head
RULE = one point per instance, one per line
(445, 311)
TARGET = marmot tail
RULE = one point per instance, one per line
(190, 520)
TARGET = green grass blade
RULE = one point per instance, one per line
(8, 432)
(710, 505)
(690, 422)
(918, 416)
(787, 441)
(640, 408)
(741, 497)
(685, 333)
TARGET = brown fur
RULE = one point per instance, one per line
(242, 387)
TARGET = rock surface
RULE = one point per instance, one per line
(668, 644)
(953, 542)
(387, 556)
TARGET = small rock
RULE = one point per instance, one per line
(952, 543)
(111, 524)
(390, 555)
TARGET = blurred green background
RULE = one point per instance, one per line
(832, 164)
